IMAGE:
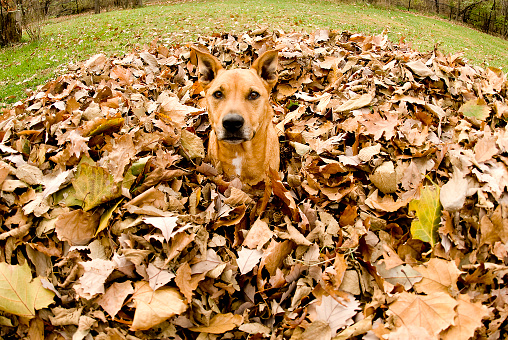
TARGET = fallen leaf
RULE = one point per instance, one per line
(94, 185)
(248, 259)
(337, 312)
(154, 307)
(220, 323)
(434, 312)
(114, 297)
(22, 295)
(428, 215)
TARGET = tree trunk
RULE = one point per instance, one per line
(10, 27)
(97, 6)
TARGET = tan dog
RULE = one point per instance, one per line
(243, 142)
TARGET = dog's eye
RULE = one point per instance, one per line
(253, 95)
(218, 94)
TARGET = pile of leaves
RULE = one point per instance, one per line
(388, 218)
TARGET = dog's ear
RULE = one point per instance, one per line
(208, 65)
(266, 67)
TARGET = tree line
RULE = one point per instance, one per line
(27, 15)
(490, 16)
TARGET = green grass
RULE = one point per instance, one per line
(76, 38)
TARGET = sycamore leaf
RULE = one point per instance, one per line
(433, 312)
(77, 226)
(220, 323)
(468, 319)
(19, 294)
(166, 224)
(428, 215)
(338, 312)
(154, 307)
(94, 185)
(438, 275)
(258, 235)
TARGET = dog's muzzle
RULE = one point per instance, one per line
(234, 129)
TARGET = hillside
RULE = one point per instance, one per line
(74, 39)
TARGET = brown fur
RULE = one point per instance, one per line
(250, 150)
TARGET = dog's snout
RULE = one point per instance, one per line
(232, 122)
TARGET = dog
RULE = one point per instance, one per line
(243, 142)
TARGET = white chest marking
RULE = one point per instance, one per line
(237, 163)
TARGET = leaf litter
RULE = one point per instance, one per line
(388, 218)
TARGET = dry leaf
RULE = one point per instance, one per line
(154, 307)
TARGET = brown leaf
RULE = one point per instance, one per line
(77, 227)
(434, 312)
(152, 308)
(220, 323)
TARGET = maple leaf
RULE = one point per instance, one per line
(96, 274)
(453, 194)
(20, 295)
(428, 215)
(158, 277)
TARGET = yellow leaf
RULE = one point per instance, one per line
(107, 125)
(103, 224)
(475, 108)
(428, 215)
(154, 307)
(192, 144)
(94, 185)
(19, 296)
(220, 323)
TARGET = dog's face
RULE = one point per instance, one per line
(237, 100)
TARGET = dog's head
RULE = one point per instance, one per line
(237, 100)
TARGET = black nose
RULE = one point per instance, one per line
(232, 122)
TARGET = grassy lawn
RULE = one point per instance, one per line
(75, 38)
